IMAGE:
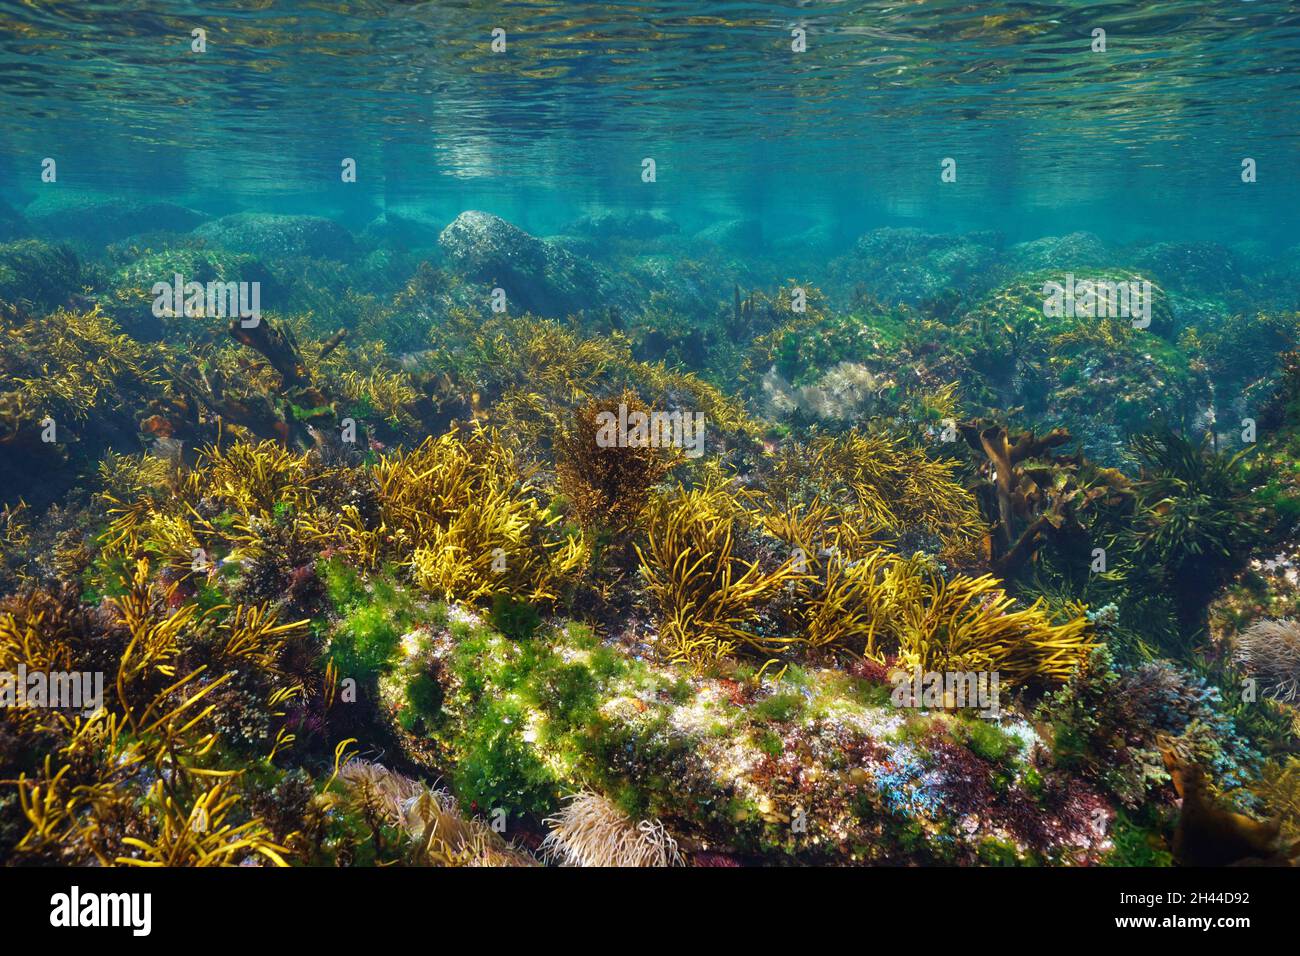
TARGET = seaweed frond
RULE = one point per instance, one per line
(710, 599)
(466, 520)
(971, 625)
(606, 484)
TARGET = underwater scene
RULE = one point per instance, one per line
(649, 434)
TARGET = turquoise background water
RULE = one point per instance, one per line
(1142, 141)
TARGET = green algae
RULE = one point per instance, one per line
(520, 703)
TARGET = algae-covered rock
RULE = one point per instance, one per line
(674, 283)
(386, 268)
(624, 224)
(273, 236)
(818, 237)
(394, 230)
(537, 275)
(585, 247)
(86, 217)
(821, 767)
(911, 266)
(130, 288)
(743, 235)
(38, 272)
(1055, 252)
(1205, 268)
(1100, 374)
(1276, 274)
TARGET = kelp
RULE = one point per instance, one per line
(468, 521)
(607, 484)
(710, 599)
(138, 777)
(877, 485)
(1034, 494)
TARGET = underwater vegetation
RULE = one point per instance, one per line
(650, 568)
(590, 831)
(605, 485)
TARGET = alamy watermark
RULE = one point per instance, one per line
(220, 300)
(60, 690)
(1098, 299)
(76, 909)
(973, 690)
(638, 429)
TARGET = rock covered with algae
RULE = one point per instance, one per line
(379, 520)
(540, 276)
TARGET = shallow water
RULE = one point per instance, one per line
(639, 425)
(1144, 140)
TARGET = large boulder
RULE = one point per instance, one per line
(537, 275)
(130, 297)
(623, 224)
(736, 235)
(1276, 273)
(400, 230)
(35, 271)
(908, 265)
(1099, 376)
(89, 218)
(1072, 250)
(817, 238)
(272, 236)
(1201, 268)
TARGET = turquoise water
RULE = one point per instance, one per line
(1144, 140)
(634, 424)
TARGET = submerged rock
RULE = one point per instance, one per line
(38, 272)
(98, 219)
(743, 235)
(274, 235)
(584, 247)
(1056, 252)
(1206, 268)
(1102, 374)
(732, 766)
(624, 224)
(911, 266)
(130, 298)
(394, 230)
(817, 237)
(538, 275)
(1277, 275)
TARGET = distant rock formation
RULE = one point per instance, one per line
(537, 275)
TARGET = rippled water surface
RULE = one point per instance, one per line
(1047, 133)
(642, 433)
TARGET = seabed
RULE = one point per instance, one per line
(437, 528)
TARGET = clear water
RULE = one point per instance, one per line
(1142, 141)
(909, 403)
